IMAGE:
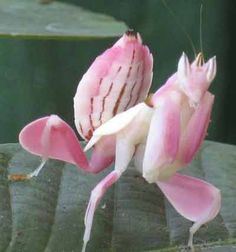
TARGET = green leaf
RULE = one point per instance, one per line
(30, 19)
(46, 213)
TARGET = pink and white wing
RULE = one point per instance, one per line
(117, 80)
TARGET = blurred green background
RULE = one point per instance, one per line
(39, 77)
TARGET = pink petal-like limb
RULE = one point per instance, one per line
(163, 138)
(124, 153)
(194, 199)
(51, 137)
(196, 129)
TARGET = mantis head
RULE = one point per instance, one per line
(194, 79)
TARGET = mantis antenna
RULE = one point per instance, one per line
(181, 26)
(200, 30)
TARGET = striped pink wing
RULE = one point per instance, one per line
(117, 80)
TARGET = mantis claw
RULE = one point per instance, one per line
(23, 177)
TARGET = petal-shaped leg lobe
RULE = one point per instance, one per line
(194, 199)
(51, 137)
(196, 129)
(163, 139)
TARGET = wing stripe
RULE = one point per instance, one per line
(130, 96)
(103, 102)
(122, 91)
(90, 115)
(141, 85)
(132, 90)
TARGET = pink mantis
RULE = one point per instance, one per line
(161, 133)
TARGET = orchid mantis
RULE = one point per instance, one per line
(162, 132)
